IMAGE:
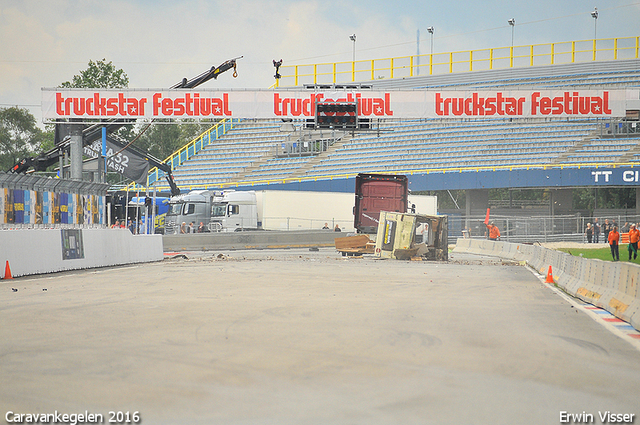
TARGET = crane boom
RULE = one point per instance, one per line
(94, 132)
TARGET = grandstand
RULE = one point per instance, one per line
(268, 152)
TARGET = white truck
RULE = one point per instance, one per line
(232, 211)
(228, 211)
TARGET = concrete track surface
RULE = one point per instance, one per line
(300, 337)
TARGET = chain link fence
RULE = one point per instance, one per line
(559, 228)
(37, 202)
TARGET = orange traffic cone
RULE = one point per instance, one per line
(549, 276)
(7, 271)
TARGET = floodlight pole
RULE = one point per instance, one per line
(352, 37)
(418, 52)
(512, 22)
(594, 15)
(431, 30)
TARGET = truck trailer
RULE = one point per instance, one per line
(234, 211)
(375, 193)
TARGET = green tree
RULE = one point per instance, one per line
(99, 74)
(103, 75)
(19, 136)
(589, 198)
(161, 140)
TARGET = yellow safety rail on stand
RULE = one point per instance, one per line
(187, 151)
(476, 169)
(463, 61)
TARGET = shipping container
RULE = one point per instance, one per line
(375, 193)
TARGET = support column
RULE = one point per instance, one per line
(75, 149)
(102, 169)
(477, 201)
(562, 201)
(61, 163)
(467, 209)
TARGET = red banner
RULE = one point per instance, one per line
(414, 104)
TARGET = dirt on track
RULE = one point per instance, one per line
(290, 337)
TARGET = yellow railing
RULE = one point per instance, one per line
(451, 170)
(187, 151)
(463, 61)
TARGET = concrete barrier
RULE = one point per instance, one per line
(250, 240)
(37, 251)
(463, 245)
(608, 285)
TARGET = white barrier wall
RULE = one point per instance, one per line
(35, 251)
(612, 286)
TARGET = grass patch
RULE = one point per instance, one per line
(600, 253)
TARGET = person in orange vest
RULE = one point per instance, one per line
(494, 232)
(634, 237)
(614, 241)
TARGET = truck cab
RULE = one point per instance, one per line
(228, 211)
(191, 207)
(234, 212)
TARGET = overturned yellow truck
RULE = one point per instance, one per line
(405, 236)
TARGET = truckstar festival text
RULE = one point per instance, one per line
(414, 104)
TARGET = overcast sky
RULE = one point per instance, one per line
(158, 42)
